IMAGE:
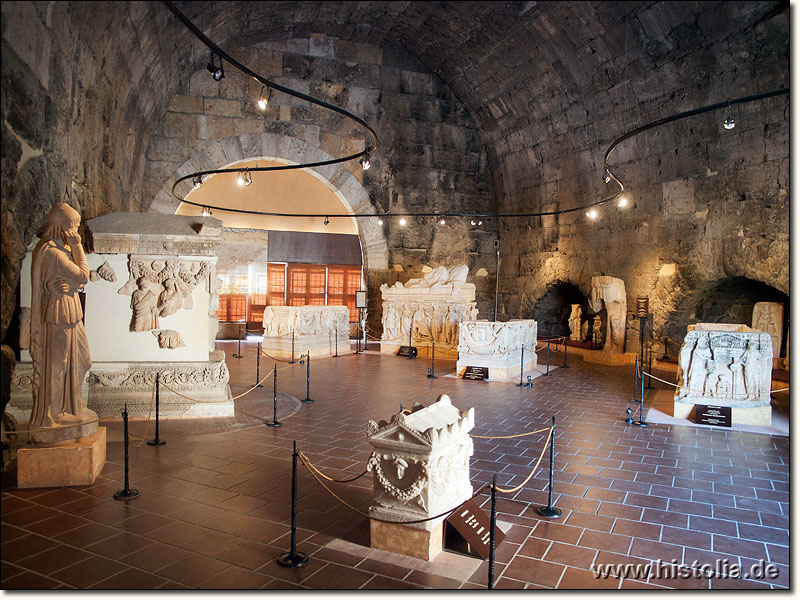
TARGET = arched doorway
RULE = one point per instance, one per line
(268, 260)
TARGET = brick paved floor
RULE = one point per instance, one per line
(213, 510)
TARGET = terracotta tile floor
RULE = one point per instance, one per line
(213, 510)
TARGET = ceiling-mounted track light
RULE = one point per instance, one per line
(244, 178)
(206, 212)
(217, 72)
(364, 161)
(326, 221)
(263, 100)
(197, 182)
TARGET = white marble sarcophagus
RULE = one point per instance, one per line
(427, 311)
(321, 330)
(497, 346)
(726, 365)
(148, 311)
(420, 463)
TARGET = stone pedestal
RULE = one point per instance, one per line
(421, 469)
(78, 463)
(730, 365)
(403, 539)
(497, 346)
(315, 328)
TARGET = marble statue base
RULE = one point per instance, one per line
(406, 540)
(78, 463)
(500, 369)
(110, 385)
(320, 346)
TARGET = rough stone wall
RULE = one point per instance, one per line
(74, 117)
(707, 203)
(430, 155)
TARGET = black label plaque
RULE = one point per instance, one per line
(474, 525)
(407, 351)
(476, 373)
(712, 415)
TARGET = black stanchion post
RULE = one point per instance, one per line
(258, 366)
(410, 346)
(308, 377)
(156, 441)
(127, 493)
(547, 374)
(650, 366)
(521, 367)
(238, 353)
(293, 558)
(291, 362)
(550, 510)
(565, 353)
(336, 354)
(431, 371)
(635, 381)
(275, 422)
(641, 422)
(492, 525)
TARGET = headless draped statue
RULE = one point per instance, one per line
(59, 348)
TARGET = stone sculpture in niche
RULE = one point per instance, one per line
(170, 282)
(768, 317)
(58, 344)
(575, 322)
(169, 338)
(609, 292)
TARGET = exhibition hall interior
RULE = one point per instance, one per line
(395, 295)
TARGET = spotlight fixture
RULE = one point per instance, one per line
(592, 214)
(364, 161)
(326, 221)
(403, 221)
(217, 72)
(728, 121)
(197, 182)
(263, 101)
(206, 212)
(244, 178)
(607, 176)
(622, 202)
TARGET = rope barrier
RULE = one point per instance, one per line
(321, 474)
(507, 437)
(217, 401)
(701, 393)
(538, 462)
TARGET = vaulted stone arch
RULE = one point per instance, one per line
(219, 154)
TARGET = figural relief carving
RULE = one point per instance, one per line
(160, 288)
